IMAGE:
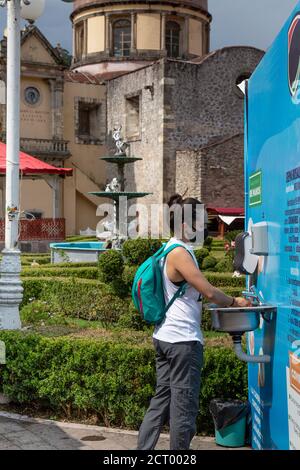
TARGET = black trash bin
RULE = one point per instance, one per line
(230, 420)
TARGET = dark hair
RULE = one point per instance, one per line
(177, 201)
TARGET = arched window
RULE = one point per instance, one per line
(122, 38)
(173, 39)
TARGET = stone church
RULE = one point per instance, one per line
(147, 66)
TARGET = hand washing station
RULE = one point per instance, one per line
(239, 320)
(268, 252)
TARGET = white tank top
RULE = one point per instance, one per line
(183, 319)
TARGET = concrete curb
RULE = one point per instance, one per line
(61, 424)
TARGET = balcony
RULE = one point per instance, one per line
(43, 148)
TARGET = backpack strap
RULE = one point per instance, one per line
(161, 254)
(181, 290)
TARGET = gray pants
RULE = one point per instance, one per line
(178, 369)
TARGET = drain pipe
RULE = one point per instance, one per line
(237, 343)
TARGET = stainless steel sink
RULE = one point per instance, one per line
(238, 319)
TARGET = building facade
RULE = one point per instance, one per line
(145, 66)
(63, 122)
(116, 36)
(185, 119)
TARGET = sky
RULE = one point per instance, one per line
(235, 22)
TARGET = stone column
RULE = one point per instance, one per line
(163, 32)
(55, 184)
(184, 46)
(133, 34)
(74, 44)
(108, 44)
(85, 38)
(57, 94)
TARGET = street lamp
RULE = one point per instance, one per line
(11, 290)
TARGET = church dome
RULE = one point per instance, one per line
(115, 36)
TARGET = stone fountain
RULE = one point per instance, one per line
(115, 190)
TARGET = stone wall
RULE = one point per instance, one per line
(203, 104)
(194, 111)
(214, 174)
(145, 175)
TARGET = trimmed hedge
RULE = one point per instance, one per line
(72, 298)
(104, 378)
(40, 287)
(42, 260)
(200, 255)
(225, 279)
(137, 251)
(71, 265)
(209, 263)
(225, 265)
(111, 265)
(81, 238)
(85, 273)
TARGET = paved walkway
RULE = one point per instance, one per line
(24, 433)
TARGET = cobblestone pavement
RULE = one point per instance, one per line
(23, 433)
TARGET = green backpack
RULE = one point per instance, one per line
(147, 290)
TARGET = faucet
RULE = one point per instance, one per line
(253, 294)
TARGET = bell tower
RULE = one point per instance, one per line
(115, 36)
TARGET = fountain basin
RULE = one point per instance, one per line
(238, 319)
(117, 195)
(76, 252)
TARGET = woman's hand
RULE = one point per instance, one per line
(242, 302)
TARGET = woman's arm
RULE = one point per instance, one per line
(181, 261)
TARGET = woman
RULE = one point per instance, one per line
(178, 342)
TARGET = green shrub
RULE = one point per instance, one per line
(40, 312)
(224, 266)
(38, 259)
(71, 265)
(81, 300)
(200, 255)
(208, 243)
(111, 265)
(223, 376)
(209, 263)
(137, 251)
(128, 276)
(107, 309)
(32, 289)
(81, 238)
(111, 380)
(206, 323)
(86, 273)
(132, 319)
(35, 312)
(119, 287)
(225, 280)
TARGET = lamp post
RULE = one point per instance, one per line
(11, 291)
